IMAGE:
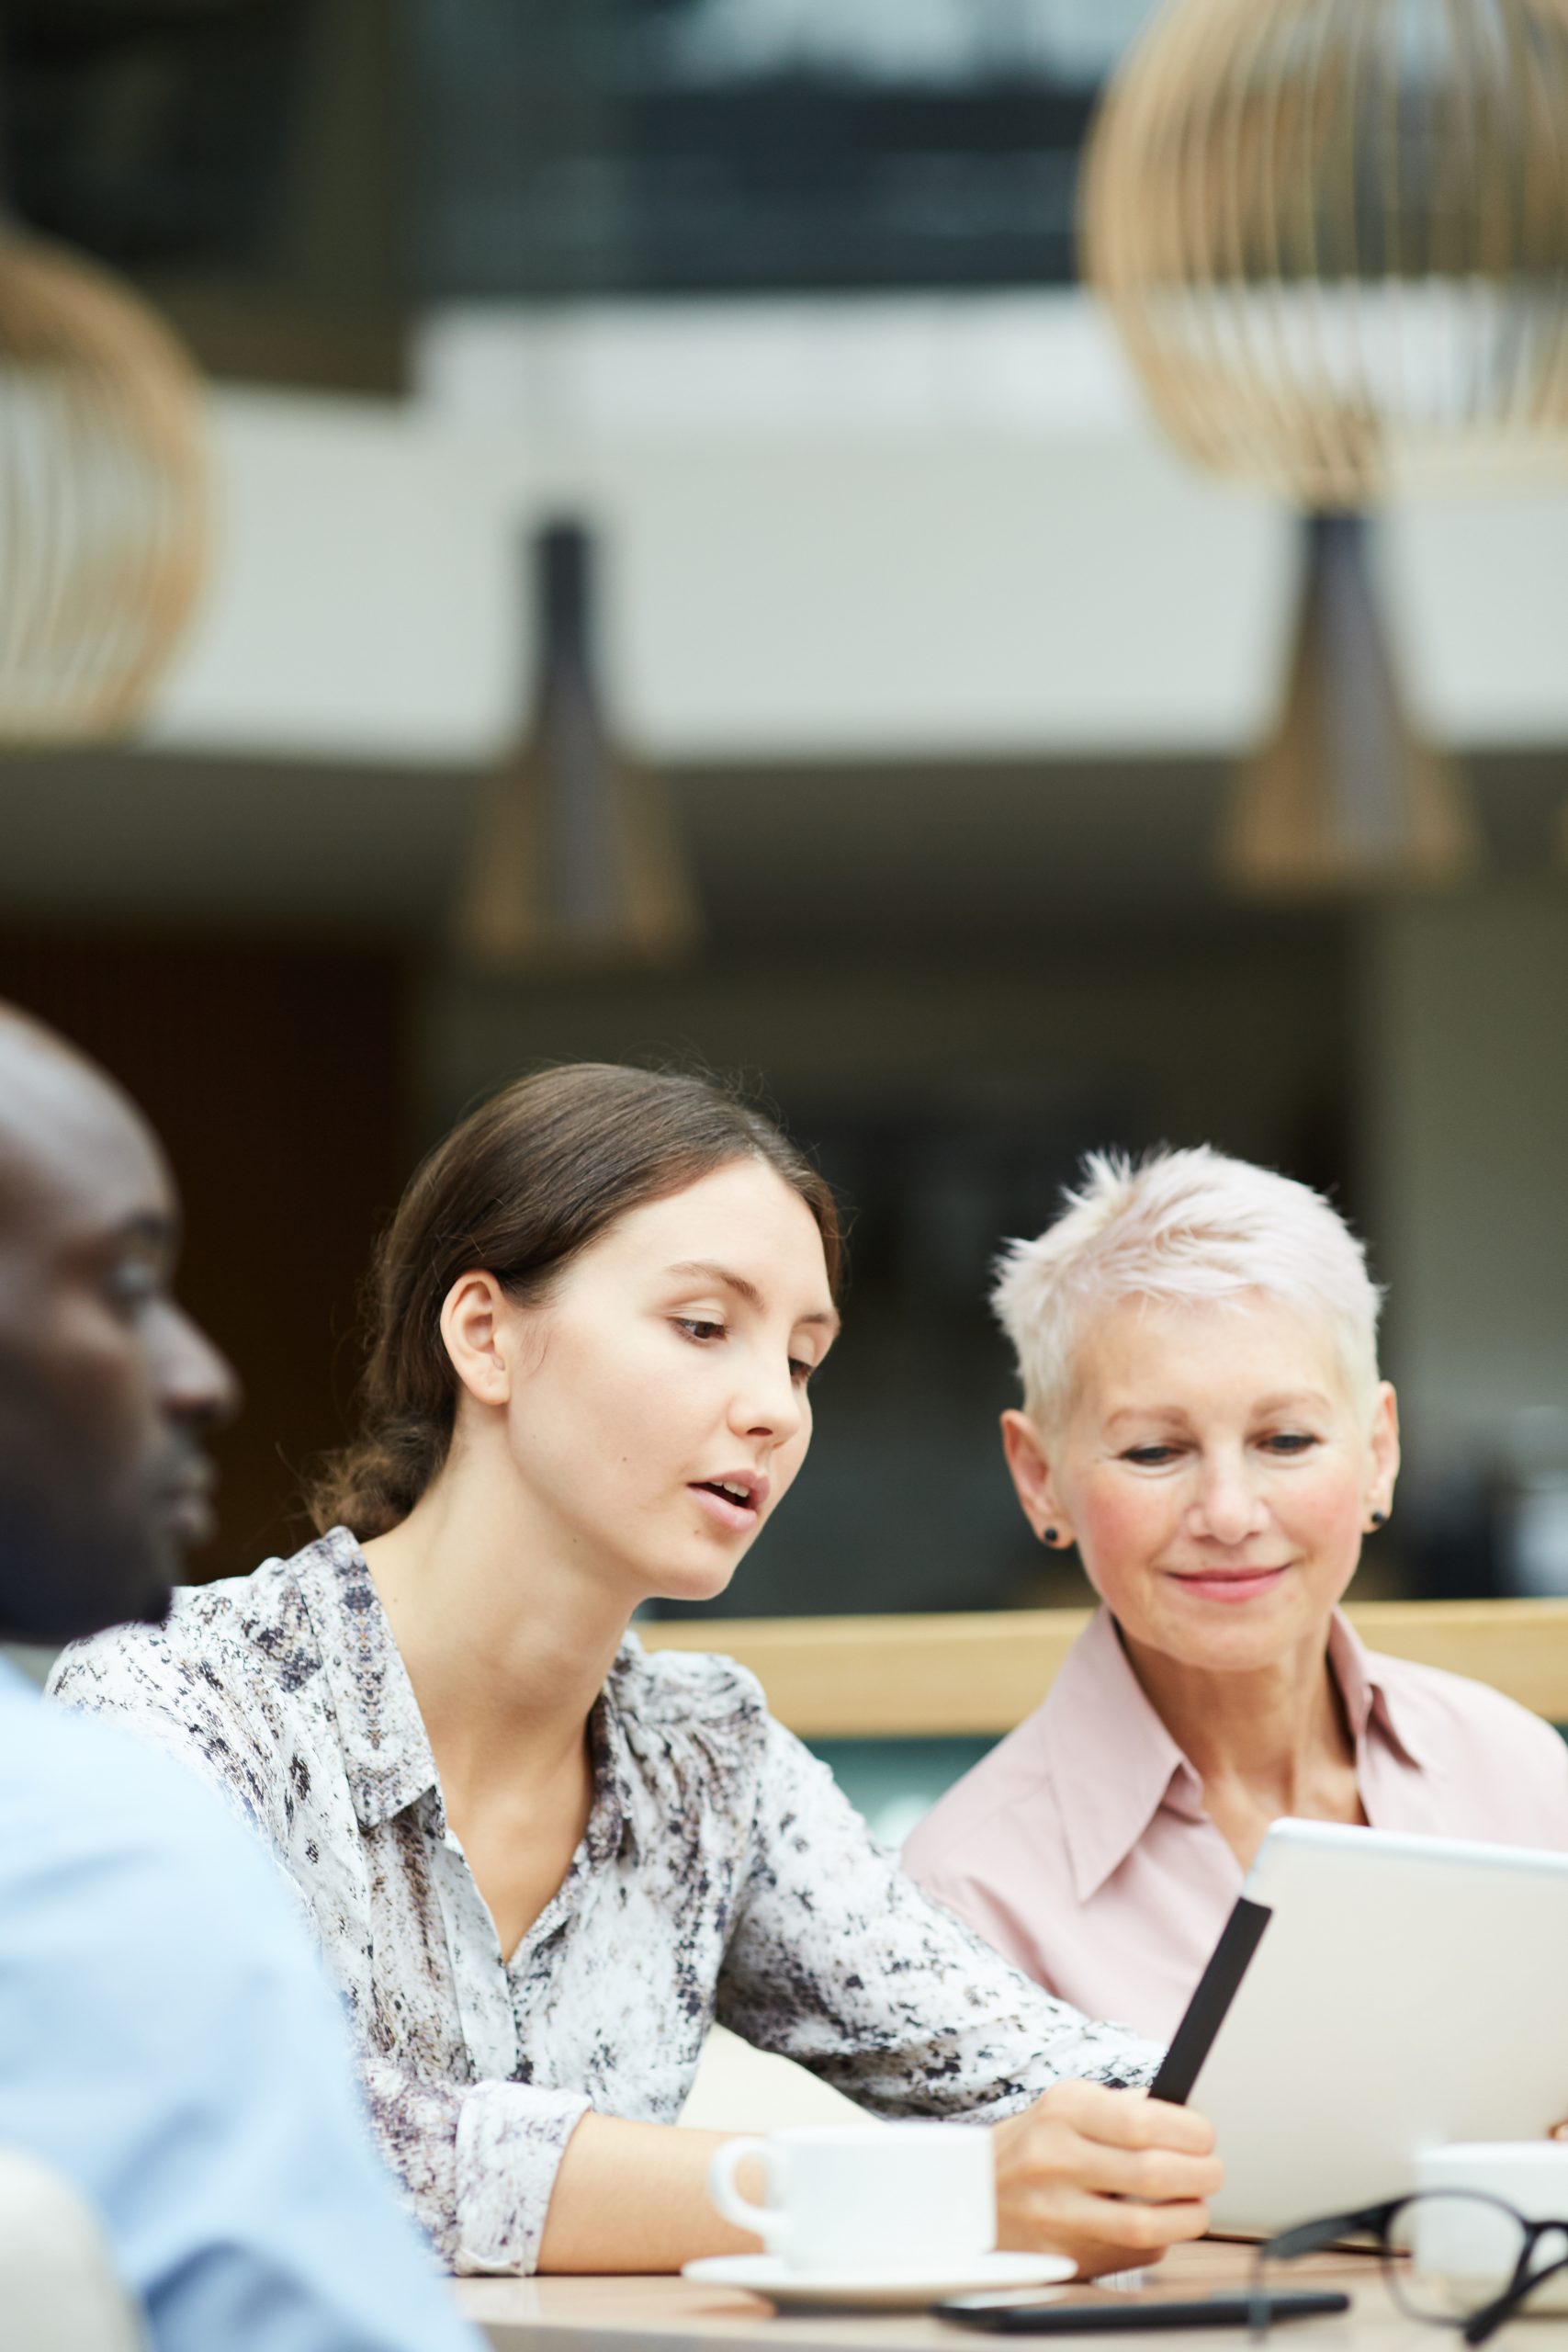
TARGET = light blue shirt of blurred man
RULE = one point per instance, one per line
(168, 2043)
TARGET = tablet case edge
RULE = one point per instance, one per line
(1217, 1988)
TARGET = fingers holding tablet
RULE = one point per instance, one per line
(1103, 2174)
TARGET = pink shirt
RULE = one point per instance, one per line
(1080, 1848)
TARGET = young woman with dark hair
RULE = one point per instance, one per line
(539, 1861)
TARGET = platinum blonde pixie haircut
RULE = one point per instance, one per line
(1179, 1226)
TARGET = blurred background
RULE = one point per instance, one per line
(695, 401)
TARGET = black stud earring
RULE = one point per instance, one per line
(1050, 1535)
(1379, 1519)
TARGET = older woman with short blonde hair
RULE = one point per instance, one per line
(1203, 1416)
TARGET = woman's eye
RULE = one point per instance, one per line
(1290, 1442)
(1150, 1457)
(800, 1372)
(698, 1328)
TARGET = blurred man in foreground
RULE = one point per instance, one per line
(166, 2043)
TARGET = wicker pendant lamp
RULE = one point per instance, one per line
(104, 506)
(1334, 236)
(1333, 233)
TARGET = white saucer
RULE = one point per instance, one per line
(889, 2291)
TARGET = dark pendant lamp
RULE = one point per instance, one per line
(575, 859)
(1344, 794)
(1333, 237)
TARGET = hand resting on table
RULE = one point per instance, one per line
(1109, 2176)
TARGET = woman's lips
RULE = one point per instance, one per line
(736, 1518)
(1231, 1585)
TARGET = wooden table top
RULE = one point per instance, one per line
(674, 2315)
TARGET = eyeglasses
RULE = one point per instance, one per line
(1471, 2259)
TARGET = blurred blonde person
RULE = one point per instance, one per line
(1202, 1416)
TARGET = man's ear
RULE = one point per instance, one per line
(473, 1314)
(1032, 1477)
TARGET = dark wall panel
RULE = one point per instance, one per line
(276, 1075)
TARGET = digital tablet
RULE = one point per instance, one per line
(1373, 1995)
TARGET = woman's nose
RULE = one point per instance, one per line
(770, 1404)
(1228, 1507)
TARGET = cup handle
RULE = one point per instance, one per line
(764, 2221)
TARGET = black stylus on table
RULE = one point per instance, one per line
(1012, 2313)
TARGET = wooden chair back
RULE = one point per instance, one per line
(978, 1672)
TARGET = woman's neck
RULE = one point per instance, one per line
(1273, 1741)
(506, 1641)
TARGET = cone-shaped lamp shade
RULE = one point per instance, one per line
(575, 858)
(1345, 794)
(103, 529)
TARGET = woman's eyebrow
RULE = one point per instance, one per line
(705, 1269)
(1277, 1404)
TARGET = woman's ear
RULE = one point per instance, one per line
(1032, 1476)
(1385, 1454)
(473, 1317)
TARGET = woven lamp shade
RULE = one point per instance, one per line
(1333, 233)
(104, 506)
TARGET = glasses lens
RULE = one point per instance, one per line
(1462, 2252)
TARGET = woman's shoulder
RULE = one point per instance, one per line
(218, 1640)
(230, 1683)
(687, 1689)
(1466, 1728)
(1456, 1699)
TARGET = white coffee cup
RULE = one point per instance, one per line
(1461, 2249)
(882, 2198)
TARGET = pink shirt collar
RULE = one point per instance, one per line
(1102, 1737)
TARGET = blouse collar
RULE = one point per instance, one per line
(387, 1754)
(1109, 1750)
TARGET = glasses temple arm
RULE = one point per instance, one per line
(1308, 2236)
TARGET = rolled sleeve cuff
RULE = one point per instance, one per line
(510, 2139)
(1116, 2055)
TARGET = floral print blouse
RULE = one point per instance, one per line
(722, 1875)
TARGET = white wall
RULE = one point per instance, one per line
(1466, 1103)
(362, 600)
(831, 529)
